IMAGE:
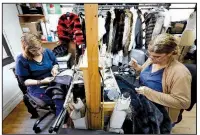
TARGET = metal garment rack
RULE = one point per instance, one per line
(106, 7)
(143, 6)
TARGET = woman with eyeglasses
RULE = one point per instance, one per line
(36, 67)
(164, 80)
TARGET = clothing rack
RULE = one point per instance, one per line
(77, 8)
(136, 5)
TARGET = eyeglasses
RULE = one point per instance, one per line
(35, 49)
(157, 58)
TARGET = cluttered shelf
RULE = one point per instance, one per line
(24, 18)
(47, 42)
(49, 45)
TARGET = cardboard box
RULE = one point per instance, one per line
(32, 27)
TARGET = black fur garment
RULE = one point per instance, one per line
(107, 27)
(150, 21)
(118, 30)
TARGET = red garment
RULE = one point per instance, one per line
(69, 28)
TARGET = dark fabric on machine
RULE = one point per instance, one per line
(65, 79)
(127, 81)
(146, 116)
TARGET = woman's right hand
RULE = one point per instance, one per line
(133, 63)
(47, 80)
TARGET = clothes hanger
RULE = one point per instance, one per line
(161, 8)
(100, 12)
(68, 14)
(81, 14)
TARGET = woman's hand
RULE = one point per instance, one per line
(47, 80)
(133, 63)
(141, 90)
(54, 70)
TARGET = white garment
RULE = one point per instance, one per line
(108, 60)
(162, 23)
(125, 60)
(118, 58)
(125, 34)
(167, 21)
(143, 27)
(191, 23)
(132, 43)
(158, 26)
(101, 27)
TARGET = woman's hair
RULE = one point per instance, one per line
(164, 43)
(29, 41)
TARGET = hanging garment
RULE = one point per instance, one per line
(118, 29)
(111, 32)
(107, 27)
(138, 31)
(150, 20)
(191, 23)
(167, 21)
(69, 28)
(82, 21)
(158, 26)
(143, 29)
(101, 28)
(132, 43)
(125, 30)
(127, 35)
(162, 23)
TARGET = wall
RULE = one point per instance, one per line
(53, 18)
(180, 14)
(12, 32)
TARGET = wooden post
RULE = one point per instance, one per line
(93, 90)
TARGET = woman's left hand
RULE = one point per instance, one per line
(141, 90)
(54, 71)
